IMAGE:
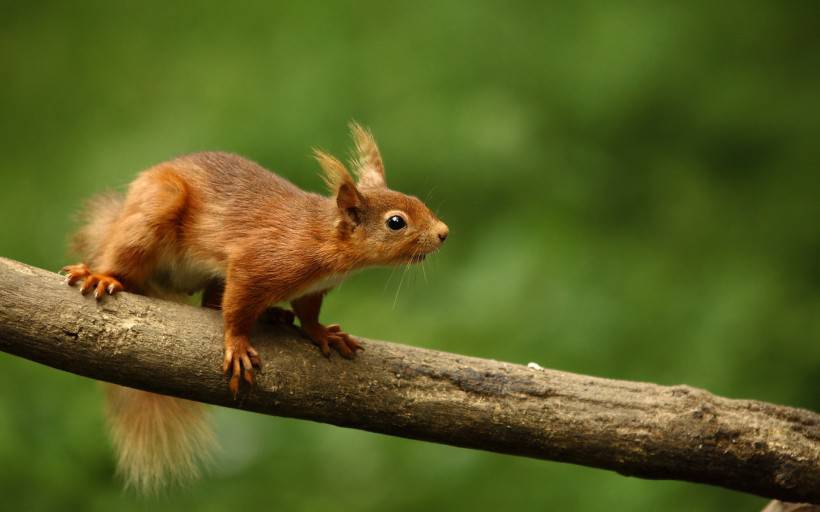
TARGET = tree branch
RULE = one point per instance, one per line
(636, 429)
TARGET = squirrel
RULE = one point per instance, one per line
(248, 239)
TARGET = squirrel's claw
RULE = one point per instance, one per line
(332, 335)
(74, 273)
(323, 345)
(344, 343)
(240, 359)
(100, 283)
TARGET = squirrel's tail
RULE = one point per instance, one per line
(157, 439)
(98, 217)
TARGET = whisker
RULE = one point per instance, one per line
(398, 290)
(438, 207)
(414, 271)
(429, 196)
(424, 273)
(390, 277)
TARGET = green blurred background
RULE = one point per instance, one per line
(631, 187)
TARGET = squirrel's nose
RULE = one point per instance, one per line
(442, 231)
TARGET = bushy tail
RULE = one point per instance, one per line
(98, 217)
(157, 439)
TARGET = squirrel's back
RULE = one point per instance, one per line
(229, 198)
(227, 176)
(201, 208)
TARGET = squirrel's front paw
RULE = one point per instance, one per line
(333, 335)
(240, 358)
(100, 283)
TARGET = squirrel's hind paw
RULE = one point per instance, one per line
(100, 283)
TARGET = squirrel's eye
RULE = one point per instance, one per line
(396, 222)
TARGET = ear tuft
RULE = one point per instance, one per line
(338, 180)
(334, 173)
(367, 161)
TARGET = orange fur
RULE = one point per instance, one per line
(158, 438)
(250, 238)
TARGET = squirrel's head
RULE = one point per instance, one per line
(384, 227)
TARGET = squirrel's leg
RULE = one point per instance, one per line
(242, 303)
(149, 217)
(307, 309)
(212, 298)
(128, 258)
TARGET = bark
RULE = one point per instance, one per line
(779, 506)
(637, 429)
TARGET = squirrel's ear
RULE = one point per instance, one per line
(338, 180)
(350, 202)
(367, 161)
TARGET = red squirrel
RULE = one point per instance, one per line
(248, 239)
